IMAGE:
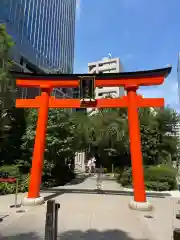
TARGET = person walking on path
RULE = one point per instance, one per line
(89, 165)
(93, 164)
(99, 171)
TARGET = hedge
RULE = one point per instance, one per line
(59, 176)
(13, 171)
(157, 178)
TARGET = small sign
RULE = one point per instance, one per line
(87, 85)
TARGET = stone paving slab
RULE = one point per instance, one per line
(82, 217)
(100, 215)
(9, 214)
(161, 221)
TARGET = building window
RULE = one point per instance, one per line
(21, 61)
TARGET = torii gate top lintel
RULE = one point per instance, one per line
(138, 78)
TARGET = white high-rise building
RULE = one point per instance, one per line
(107, 65)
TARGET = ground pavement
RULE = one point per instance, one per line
(87, 214)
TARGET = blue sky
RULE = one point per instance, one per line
(144, 34)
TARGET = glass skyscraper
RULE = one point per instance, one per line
(44, 32)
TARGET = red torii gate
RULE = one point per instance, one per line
(129, 80)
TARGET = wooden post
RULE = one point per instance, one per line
(38, 154)
(51, 224)
(135, 146)
(176, 234)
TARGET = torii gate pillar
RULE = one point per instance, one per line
(139, 201)
(33, 197)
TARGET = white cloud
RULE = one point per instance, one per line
(168, 91)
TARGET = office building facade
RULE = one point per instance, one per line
(106, 65)
(44, 33)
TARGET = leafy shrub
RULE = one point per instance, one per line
(58, 175)
(157, 186)
(13, 171)
(157, 178)
(118, 171)
(24, 183)
(163, 175)
(125, 177)
(7, 188)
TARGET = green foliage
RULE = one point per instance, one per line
(104, 133)
(61, 145)
(14, 171)
(157, 178)
(164, 176)
(12, 125)
(7, 83)
(159, 143)
(167, 120)
(12, 129)
(6, 44)
(125, 177)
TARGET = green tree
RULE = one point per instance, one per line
(11, 119)
(149, 136)
(60, 147)
(158, 135)
(167, 124)
(104, 133)
(7, 83)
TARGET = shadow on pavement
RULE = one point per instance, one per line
(22, 236)
(2, 216)
(57, 192)
(96, 235)
(78, 180)
(78, 235)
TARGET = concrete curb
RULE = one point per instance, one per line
(173, 193)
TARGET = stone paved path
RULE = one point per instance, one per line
(89, 215)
